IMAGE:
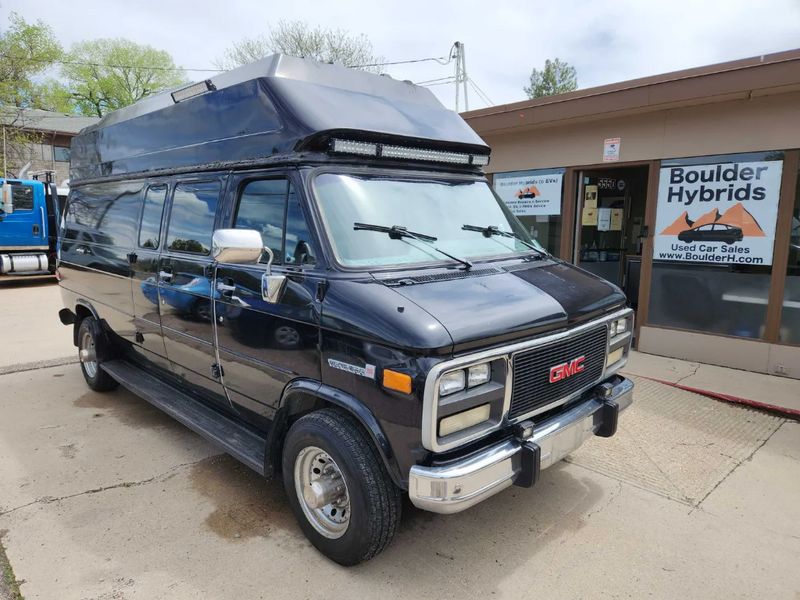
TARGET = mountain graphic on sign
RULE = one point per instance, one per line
(736, 216)
(680, 224)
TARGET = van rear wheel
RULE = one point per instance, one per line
(339, 488)
(90, 356)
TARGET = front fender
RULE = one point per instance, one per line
(304, 395)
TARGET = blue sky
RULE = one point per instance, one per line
(606, 41)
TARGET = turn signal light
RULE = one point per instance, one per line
(400, 382)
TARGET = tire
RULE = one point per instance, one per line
(336, 441)
(96, 378)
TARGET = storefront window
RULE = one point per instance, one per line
(713, 242)
(790, 316)
(535, 199)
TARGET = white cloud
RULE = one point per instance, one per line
(606, 41)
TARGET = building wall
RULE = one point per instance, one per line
(742, 125)
(41, 156)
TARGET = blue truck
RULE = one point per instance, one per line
(29, 215)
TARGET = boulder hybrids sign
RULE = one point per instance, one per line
(718, 213)
(531, 192)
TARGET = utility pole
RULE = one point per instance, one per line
(461, 74)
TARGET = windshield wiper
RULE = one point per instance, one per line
(397, 232)
(493, 230)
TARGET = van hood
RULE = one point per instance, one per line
(490, 306)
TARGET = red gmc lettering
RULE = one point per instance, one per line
(567, 369)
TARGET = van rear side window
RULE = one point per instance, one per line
(104, 213)
(150, 228)
(191, 221)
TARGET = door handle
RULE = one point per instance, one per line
(165, 276)
(226, 289)
(82, 250)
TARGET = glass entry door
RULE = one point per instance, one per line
(610, 225)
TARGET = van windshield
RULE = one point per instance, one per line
(435, 208)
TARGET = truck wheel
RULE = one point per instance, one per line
(95, 377)
(338, 487)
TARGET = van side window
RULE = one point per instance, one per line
(106, 213)
(262, 205)
(191, 222)
(271, 207)
(150, 228)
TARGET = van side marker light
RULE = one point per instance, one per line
(400, 382)
(190, 91)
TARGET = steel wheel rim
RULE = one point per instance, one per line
(315, 466)
(88, 355)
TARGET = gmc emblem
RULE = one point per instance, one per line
(567, 369)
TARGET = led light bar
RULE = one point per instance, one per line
(422, 154)
(190, 91)
(353, 147)
(407, 153)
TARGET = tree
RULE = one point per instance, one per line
(557, 77)
(107, 74)
(296, 38)
(26, 51)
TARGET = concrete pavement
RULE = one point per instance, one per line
(104, 497)
(31, 330)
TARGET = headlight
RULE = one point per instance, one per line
(479, 374)
(452, 382)
(615, 356)
(618, 326)
(464, 420)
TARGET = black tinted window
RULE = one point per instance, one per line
(191, 222)
(22, 197)
(150, 229)
(271, 207)
(262, 205)
(104, 213)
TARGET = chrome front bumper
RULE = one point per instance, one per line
(457, 485)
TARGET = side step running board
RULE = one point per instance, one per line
(237, 439)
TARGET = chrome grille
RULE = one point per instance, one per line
(531, 388)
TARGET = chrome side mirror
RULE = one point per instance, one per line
(236, 246)
(271, 285)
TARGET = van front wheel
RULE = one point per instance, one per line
(339, 488)
(89, 355)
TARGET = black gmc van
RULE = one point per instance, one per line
(305, 264)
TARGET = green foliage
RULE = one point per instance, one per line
(107, 74)
(296, 38)
(557, 77)
(26, 50)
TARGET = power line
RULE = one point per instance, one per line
(480, 92)
(427, 81)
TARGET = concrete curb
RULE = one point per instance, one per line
(782, 410)
(39, 364)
